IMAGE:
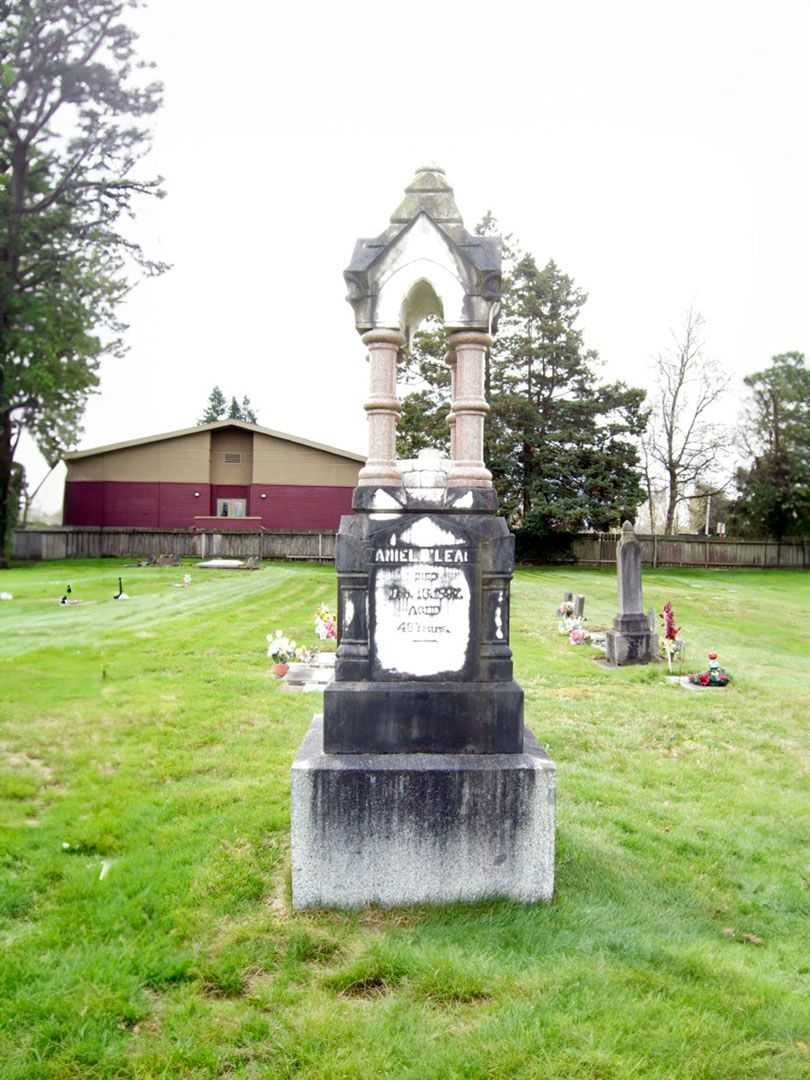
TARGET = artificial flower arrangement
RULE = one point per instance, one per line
(280, 649)
(573, 627)
(566, 611)
(673, 646)
(715, 676)
(325, 624)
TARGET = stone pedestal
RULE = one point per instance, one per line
(630, 641)
(420, 784)
(398, 829)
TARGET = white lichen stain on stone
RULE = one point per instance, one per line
(426, 533)
(430, 494)
(381, 500)
(465, 502)
(385, 515)
(348, 613)
(499, 623)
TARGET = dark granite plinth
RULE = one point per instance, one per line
(423, 661)
(413, 717)
(395, 829)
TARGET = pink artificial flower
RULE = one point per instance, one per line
(577, 637)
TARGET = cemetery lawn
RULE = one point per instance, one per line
(145, 927)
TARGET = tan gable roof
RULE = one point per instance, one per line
(75, 455)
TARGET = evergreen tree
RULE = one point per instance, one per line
(248, 414)
(774, 490)
(423, 422)
(71, 135)
(561, 445)
(219, 409)
(215, 408)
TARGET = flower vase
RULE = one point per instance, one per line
(280, 670)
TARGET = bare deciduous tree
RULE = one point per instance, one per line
(684, 444)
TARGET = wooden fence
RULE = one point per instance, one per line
(91, 543)
(598, 549)
(589, 549)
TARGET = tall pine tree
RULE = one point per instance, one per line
(562, 445)
(774, 497)
(218, 408)
(248, 413)
(215, 407)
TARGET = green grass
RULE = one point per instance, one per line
(149, 736)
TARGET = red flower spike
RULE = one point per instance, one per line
(671, 631)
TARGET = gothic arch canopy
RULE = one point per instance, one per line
(425, 262)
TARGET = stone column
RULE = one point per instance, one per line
(469, 407)
(450, 359)
(383, 409)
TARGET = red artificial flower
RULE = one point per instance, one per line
(704, 679)
(671, 631)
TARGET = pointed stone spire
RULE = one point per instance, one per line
(429, 193)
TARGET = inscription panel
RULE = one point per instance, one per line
(422, 611)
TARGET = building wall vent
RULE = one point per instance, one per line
(233, 459)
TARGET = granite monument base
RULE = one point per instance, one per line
(631, 641)
(432, 718)
(400, 829)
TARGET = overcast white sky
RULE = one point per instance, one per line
(657, 151)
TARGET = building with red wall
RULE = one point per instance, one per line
(225, 475)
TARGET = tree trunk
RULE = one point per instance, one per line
(672, 505)
(7, 511)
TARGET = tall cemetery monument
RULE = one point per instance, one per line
(419, 783)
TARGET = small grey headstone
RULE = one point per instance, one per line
(579, 607)
(631, 640)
